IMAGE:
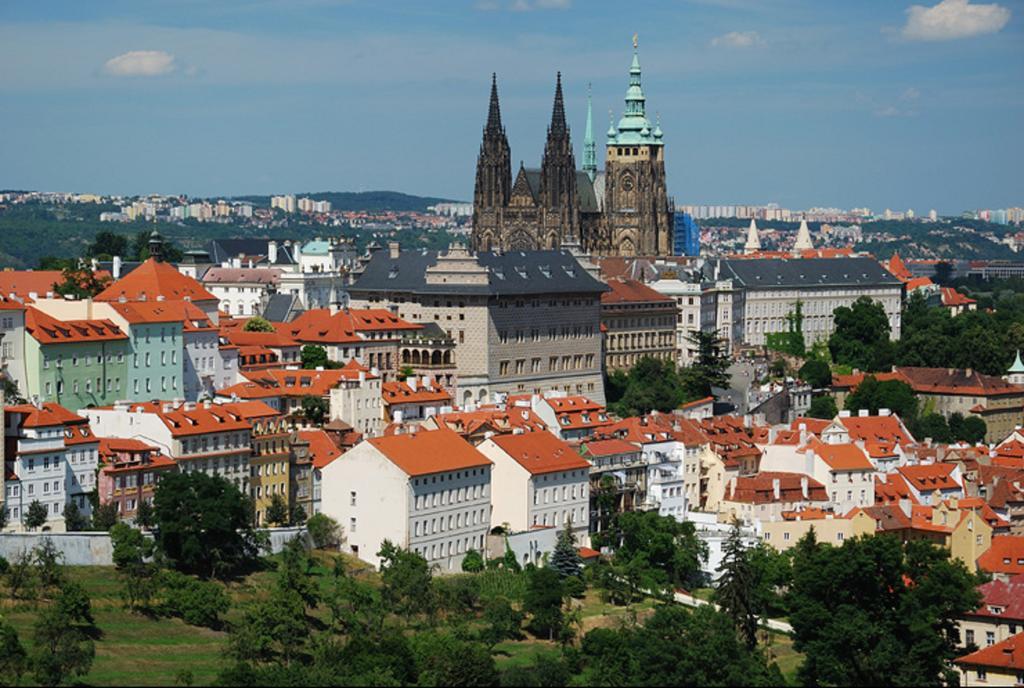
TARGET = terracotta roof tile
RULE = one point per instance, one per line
(760, 488)
(541, 452)
(322, 450)
(632, 291)
(429, 451)
(46, 329)
(1007, 656)
(154, 278)
(929, 477)
(1006, 555)
(842, 457)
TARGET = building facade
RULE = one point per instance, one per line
(638, 322)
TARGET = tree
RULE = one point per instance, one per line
(658, 551)
(792, 340)
(297, 515)
(973, 430)
(80, 283)
(356, 607)
(314, 409)
(73, 603)
(324, 531)
(712, 364)
(21, 576)
(861, 336)
(294, 573)
(35, 515)
(105, 516)
(445, 660)
(566, 558)
(144, 517)
(270, 631)
(736, 590)
(823, 406)
(406, 577)
(543, 602)
(196, 602)
(503, 622)
(12, 395)
(313, 357)
(652, 384)
(49, 564)
(277, 512)
(204, 524)
(107, 245)
(74, 519)
(931, 425)
(472, 561)
(877, 611)
(13, 658)
(138, 576)
(62, 649)
(816, 373)
(895, 395)
(258, 324)
(943, 272)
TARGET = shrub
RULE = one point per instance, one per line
(196, 602)
(324, 531)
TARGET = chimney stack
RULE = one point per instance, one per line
(804, 486)
(272, 252)
(115, 268)
(776, 488)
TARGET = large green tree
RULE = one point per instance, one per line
(737, 589)
(877, 611)
(204, 524)
(861, 336)
(660, 550)
(872, 395)
(710, 369)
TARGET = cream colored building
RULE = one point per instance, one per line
(687, 298)
(358, 402)
(828, 528)
(638, 323)
(521, 322)
(425, 491)
(539, 480)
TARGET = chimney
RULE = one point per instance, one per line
(426, 382)
(732, 487)
(206, 403)
(362, 377)
(236, 262)
(884, 412)
(115, 268)
(776, 488)
(845, 413)
(517, 431)
(411, 381)
(904, 505)
(969, 372)
(863, 413)
(88, 307)
(804, 486)
(272, 252)
(297, 254)
(393, 249)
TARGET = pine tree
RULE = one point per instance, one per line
(566, 559)
(737, 590)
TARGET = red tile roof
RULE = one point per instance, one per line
(322, 450)
(25, 282)
(154, 278)
(49, 415)
(929, 477)
(402, 393)
(892, 489)
(957, 382)
(1007, 656)
(951, 297)
(46, 329)
(541, 452)
(656, 427)
(279, 382)
(496, 420)
(760, 489)
(609, 447)
(197, 421)
(345, 326)
(841, 457)
(240, 337)
(429, 451)
(1006, 596)
(632, 291)
(1006, 555)
(813, 425)
(218, 274)
(151, 311)
(879, 429)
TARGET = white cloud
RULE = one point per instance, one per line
(951, 19)
(526, 5)
(141, 63)
(737, 39)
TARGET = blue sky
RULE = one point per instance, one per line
(883, 103)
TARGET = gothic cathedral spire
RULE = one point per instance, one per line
(493, 169)
(558, 169)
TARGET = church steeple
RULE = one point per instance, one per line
(493, 166)
(558, 168)
(634, 127)
(494, 111)
(558, 126)
(589, 148)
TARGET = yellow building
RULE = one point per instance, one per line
(828, 527)
(1001, 664)
(269, 462)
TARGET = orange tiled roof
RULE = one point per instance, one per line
(498, 420)
(760, 488)
(24, 282)
(929, 477)
(279, 382)
(632, 291)
(46, 329)
(841, 457)
(154, 278)
(1006, 555)
(814, 425)
(574, 412)
(811, 513)
(610, 447)
(429, 451)
(345, 326)
(49, 415)
(1007, 656)
(322, 450)
(250, 410)
(892, 489)
(915, 283)
(877, 429)
(951, 297)
(656, 427)
(197, 421)
(898, 268)
(1006, 597)
(953, 381)
(150, 311)
(402, 393)
(240, 337)
(541, 452)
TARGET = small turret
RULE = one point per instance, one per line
(803, 238)
(1015, 375)
(753, 244)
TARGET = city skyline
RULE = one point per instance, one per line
(804, 104)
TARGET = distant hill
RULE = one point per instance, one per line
(361, 200)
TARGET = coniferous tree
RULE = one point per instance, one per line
(736, 592)
(566, 558)
(35, 515)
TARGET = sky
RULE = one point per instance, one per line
(877, 103)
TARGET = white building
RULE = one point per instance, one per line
(426, 491)
(687, 298)
(357, 401)
(539, 480)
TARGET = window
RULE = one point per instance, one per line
(352, 498)
(982, 676)
(970, 637)
(352, 525)
(990, 638)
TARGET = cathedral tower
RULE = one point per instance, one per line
(493, 175)
(637, 212)
(558, 177)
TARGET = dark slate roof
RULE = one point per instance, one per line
(282, 307)
(516, 272)
(584, 189)
(221, 250)
(803, 272)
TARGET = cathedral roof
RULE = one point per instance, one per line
(515, 272)
(587, 192)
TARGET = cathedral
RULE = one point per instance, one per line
(623, 210)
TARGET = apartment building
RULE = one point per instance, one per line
(637, 322)
(129, 473)
(428, 491)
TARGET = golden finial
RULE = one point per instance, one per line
(636, 41)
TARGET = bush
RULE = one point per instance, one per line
(574, 587)
(324, 531)
(4, 566)
(196, 602)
